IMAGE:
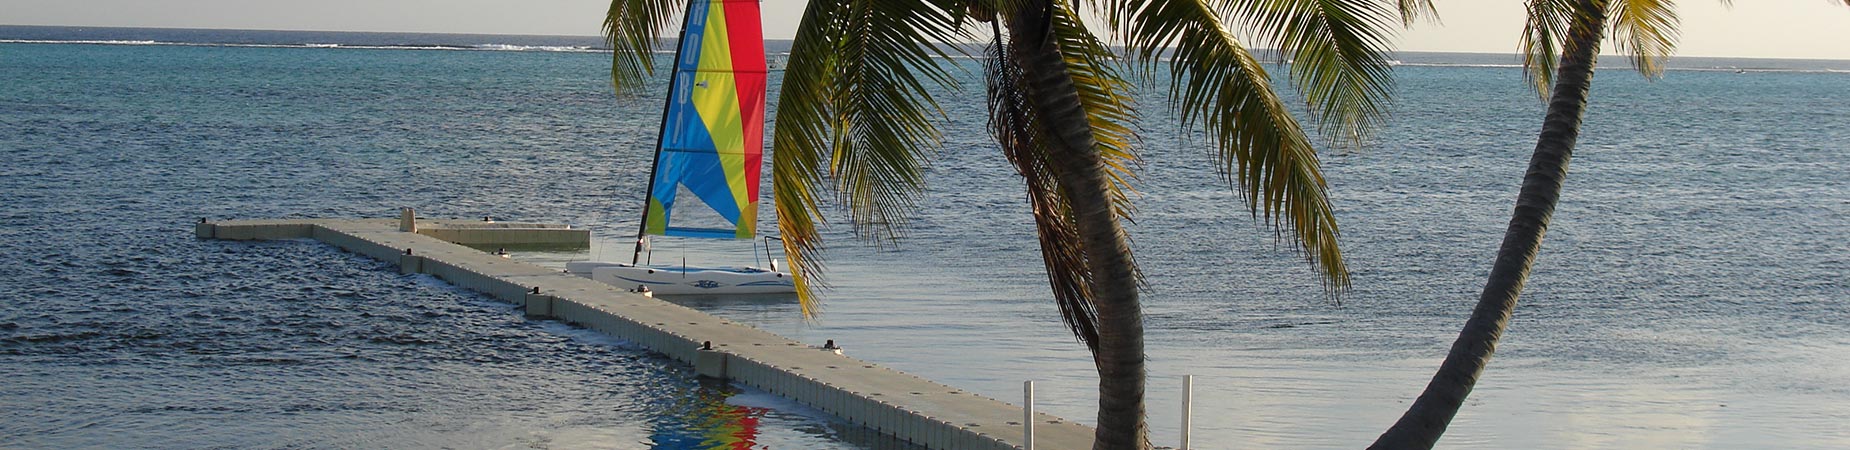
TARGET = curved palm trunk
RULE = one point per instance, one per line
(1119, 356)
(1426, 420)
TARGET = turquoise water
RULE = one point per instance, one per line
(1690, 295)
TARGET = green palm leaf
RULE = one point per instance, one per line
(1412, 11)
(854, 116)
(1338, 47)
(1645, 30)
(631, 28)
(1217, 83)
(1338, 56)
(1542, 35)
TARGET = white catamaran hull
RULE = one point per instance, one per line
(678, 280)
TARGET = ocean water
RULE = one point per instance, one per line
(1690, 295)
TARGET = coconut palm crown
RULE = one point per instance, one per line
(856, 124)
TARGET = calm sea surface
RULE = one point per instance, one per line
(1691, 294)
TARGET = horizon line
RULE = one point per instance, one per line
(1391, 51)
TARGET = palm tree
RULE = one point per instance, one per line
(1645, 29)
(855, 117)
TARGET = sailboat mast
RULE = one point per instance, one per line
(661, 134)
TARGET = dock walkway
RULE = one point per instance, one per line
(892, 402)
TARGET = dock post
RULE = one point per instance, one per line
(709, 362)
(1188, 410)
(1027, 413)
(409, 264)
(407, 220)
(537, 304)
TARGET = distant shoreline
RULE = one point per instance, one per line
(207, 37)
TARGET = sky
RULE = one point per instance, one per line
(1750, 28)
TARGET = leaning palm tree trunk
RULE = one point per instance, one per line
(1081, 171)
(1426, 420)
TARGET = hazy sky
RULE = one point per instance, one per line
(1751, 28)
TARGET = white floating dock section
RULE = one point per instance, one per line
(902, 405)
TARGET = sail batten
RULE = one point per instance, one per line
(713, 132)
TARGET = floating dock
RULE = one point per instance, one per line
(895, 403)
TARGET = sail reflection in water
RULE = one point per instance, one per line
(708, 422)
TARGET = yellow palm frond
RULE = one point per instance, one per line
(1645, 30)
(1105, 96)
(1542, 35)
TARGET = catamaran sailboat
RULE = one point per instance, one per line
(711, 146)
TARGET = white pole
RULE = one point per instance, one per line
(1188, 410)
(1027, 414)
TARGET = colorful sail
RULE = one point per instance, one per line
(713, 133)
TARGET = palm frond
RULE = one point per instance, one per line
(1024, 142)
(1103, 95)
(1338, 51)
(1645, 30)
(1542, 35)
(884, 128)
(800, 143)
(631, 28)
(854, 116)
(1215, 82)
(1412, 11)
